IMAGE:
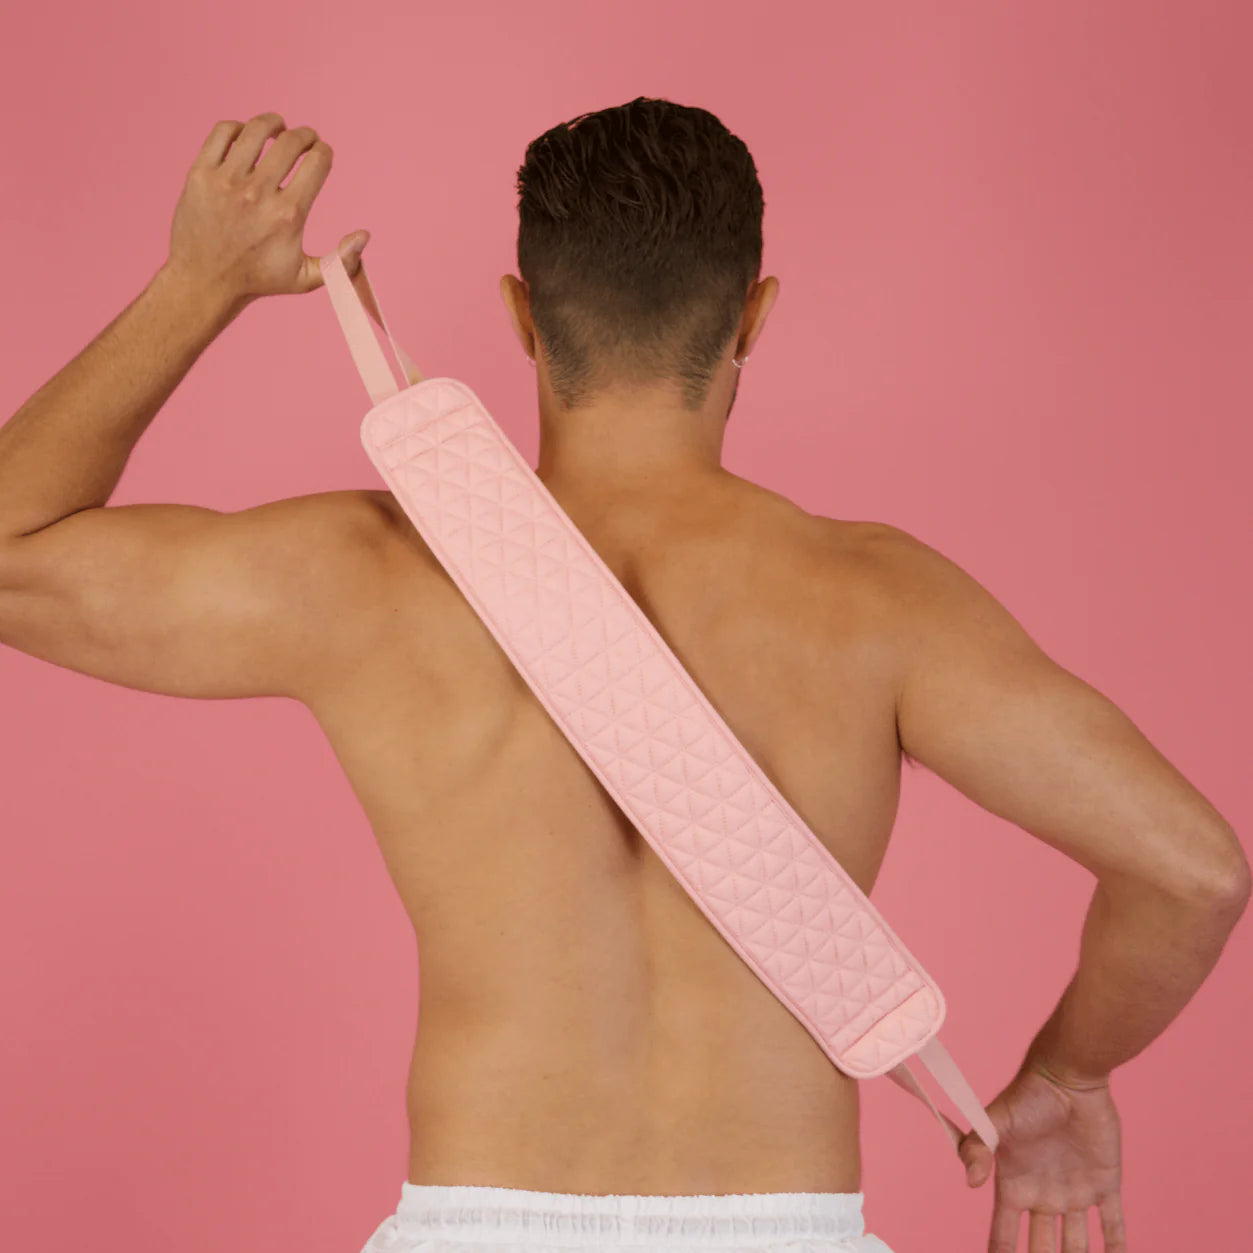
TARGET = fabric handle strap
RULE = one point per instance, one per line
(371, 362)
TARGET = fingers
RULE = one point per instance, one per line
(1042, 1233)
(1113, 1231)
(307, 181)
(236, 146)
(219, 141)
(1005, 1224)
(283, 153)
(248, 143)
(1075, 1231)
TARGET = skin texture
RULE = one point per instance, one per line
(583, 1028)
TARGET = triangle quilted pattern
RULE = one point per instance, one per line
(641, 723)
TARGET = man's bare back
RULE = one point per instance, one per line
(583, 1027)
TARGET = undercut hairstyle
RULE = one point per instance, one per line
(639, 234)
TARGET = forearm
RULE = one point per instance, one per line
(1143, 955)
(66, 447)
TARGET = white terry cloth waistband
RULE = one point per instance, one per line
(519, 1217)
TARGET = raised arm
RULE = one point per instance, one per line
(981, 705)
(175, 598)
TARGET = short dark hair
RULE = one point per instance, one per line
(639, 233)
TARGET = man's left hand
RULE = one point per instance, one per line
(236, 230)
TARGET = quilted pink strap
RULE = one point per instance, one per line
(644, 727)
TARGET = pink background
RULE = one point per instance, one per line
(1015, 272)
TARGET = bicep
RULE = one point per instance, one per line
(985, 708)
(182, 600)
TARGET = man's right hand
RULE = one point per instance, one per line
(1060, 1153)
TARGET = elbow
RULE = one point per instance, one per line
(1206, 872)
(1237, 887)
(1224, 882)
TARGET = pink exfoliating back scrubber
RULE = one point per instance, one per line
(643, 726)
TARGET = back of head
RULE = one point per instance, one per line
(639, 235)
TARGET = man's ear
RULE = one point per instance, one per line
(513, 292)
(763, 299)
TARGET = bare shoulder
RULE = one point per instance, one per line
(325, 524)
(364, 513)
(923, 607)
(371, 523)
(914, 579)
(889, 550)
(338, 545)
(829, 538)
(882, 558)
(886, 560)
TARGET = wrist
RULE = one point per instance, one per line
(1046, 1056)
(1063, 1076)
(197, 296)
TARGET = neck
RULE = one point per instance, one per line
(635, 440)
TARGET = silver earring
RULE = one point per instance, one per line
(530, 360)
(739, 364)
